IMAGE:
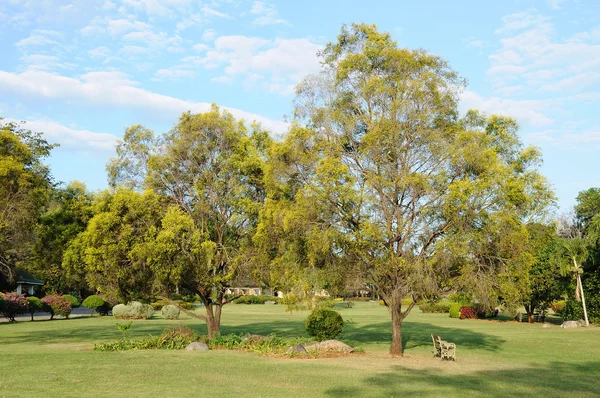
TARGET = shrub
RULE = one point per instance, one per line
(364, 299)
(484, 313)
(73, 300)
(324, 324)
(435, 308)
(34, 305)
(559, 306)
(133, 310)
(170, 312)
(467, 313)
(256, 299)
(324, 304)
(56, 304)
(381, 302)
(461, 298)
(454, 310)
(13, 304)
(96, 303)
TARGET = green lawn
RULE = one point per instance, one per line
(54, 359)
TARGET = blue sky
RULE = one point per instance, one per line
(81, 71)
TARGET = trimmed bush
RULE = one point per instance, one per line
(464, 299)
(56, 304)
(454, 310)
(435, 308)
(34, 305)
(133, 310)
(468, 313)
(13, 304)
(256, 299)
(96, 303)
(170, 312)
(73, 300)
(324, 324)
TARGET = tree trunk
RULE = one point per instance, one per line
(587, 323)
(395, 307)
(213, 319)
(529, 309)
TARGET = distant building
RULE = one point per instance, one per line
(27, 283)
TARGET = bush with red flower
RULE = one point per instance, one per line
(12, 304)
(467, 313)
(56, 304)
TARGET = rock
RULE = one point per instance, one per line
(298, 349)
(197, 346)
(269, 302)
(546, 326)
(581, 323)
(569, 325)
(328, 345)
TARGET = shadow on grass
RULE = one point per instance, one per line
(415, 334)
(556, 379)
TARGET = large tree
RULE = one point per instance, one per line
(209, 168)
(68, 213)
(25, 186)
(409, 192)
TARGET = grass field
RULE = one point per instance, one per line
(55, 359)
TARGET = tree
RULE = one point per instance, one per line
(25, 184)
(210, 169)
(69, 211)
(113, 250)
(546, 283)
(407, 191)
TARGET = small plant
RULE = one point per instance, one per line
(435, 308)
(124, 328)
(454, 310)
(170, 312)
(34, 305)
(73, 300)
(255, 299)
(324, 324)
(13, 304)
(56, 304)
(464, 299)
(96, 303)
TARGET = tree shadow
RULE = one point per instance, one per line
(556, 379)
(415, 334)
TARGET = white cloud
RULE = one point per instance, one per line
(45, 62)
(266, 13)
(530, 111)
(172, 74)
(35, 41)
(99, 52)
(71, 139)
(222, 79)
(112, 89)
(209, 35)
(556, 3)
(207, 11)
(280, 63)
(118, 27)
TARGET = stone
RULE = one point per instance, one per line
(270, 302)
(297, 349)
(546, 326)
(581, 323)
(197, 346)
(328, 345)
(569, 325)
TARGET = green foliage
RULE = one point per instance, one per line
(324, 324)
(454, 310)
(57, 305)
(437, 308)
(34, 305)
(256, 299)
(171, 339)
(73, 300)
(25, 186)
(96, 303)
(170, 312)
(461, 298)
(132, 310)
(265, 345)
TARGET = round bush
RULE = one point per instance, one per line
(170, 312)
(73, 300)
(34, 305)
(324, 324)
(96, 303)
(56, 304)
(133, 310)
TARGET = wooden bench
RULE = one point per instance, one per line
(443, 349)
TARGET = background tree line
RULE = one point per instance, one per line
(380, 183)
